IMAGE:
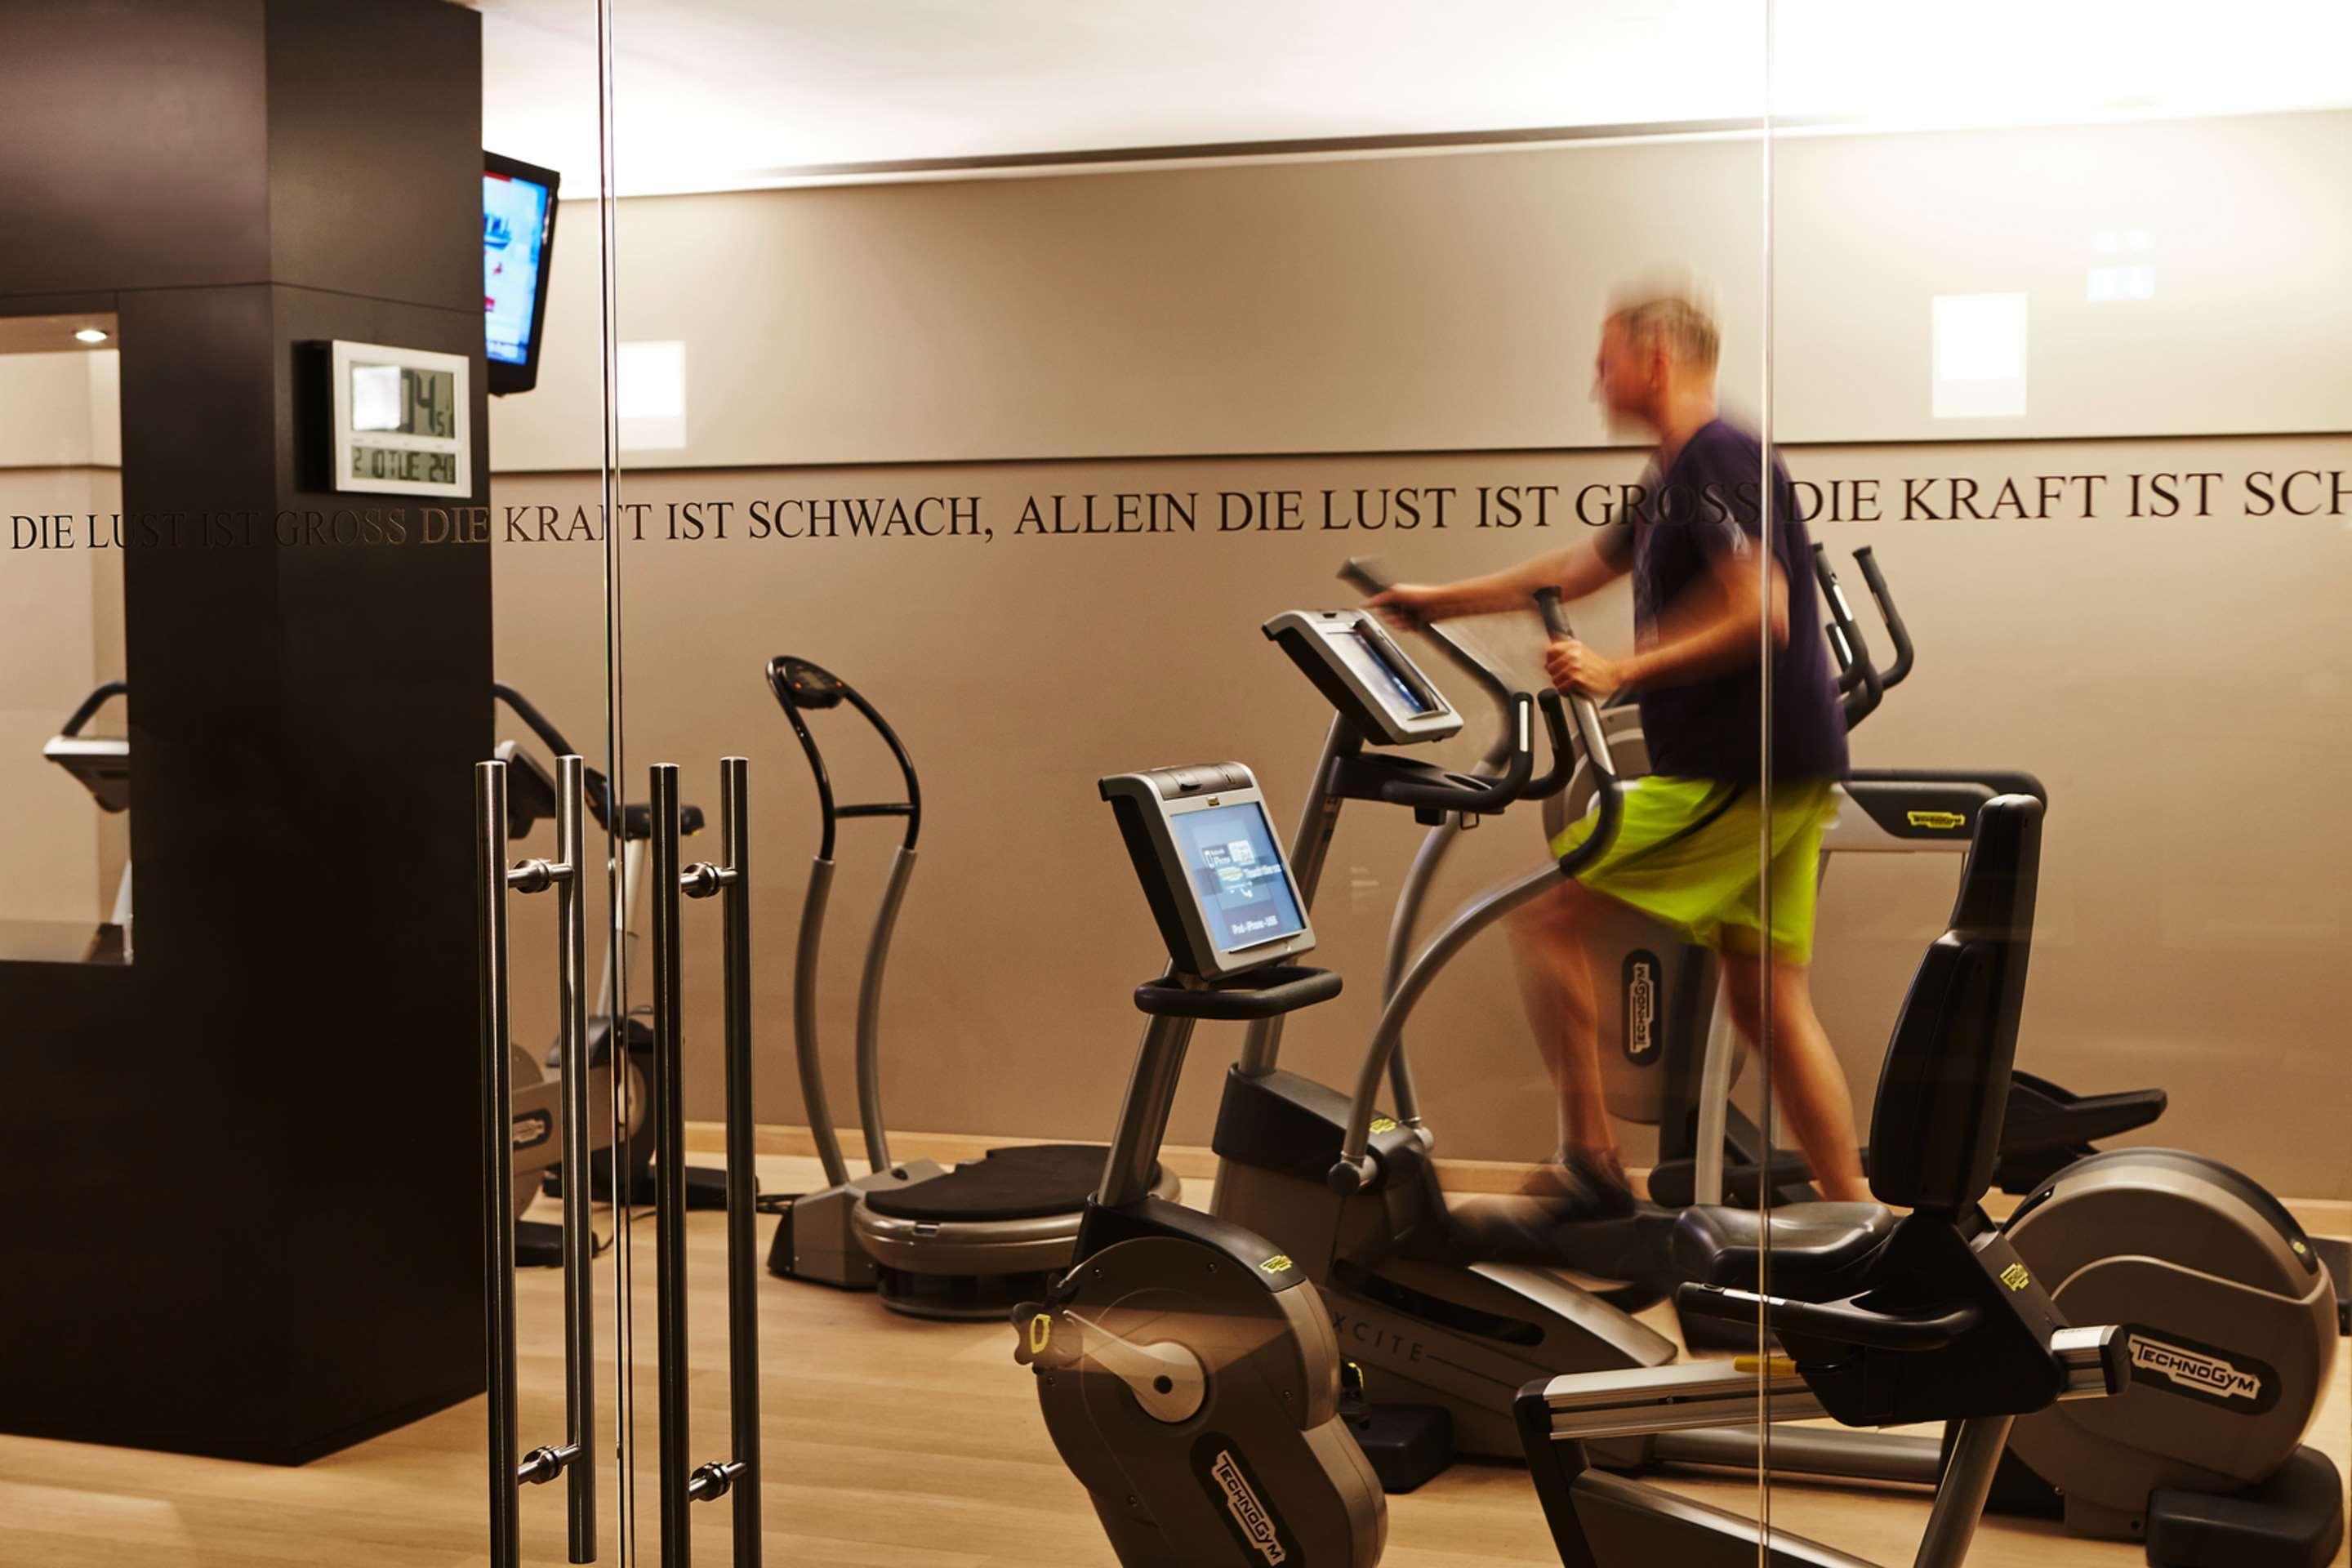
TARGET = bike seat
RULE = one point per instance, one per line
(1813, 1247)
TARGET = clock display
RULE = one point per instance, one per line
(401, 421)
(402, 465)
(403, 398)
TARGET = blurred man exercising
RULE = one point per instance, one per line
(1687, 851)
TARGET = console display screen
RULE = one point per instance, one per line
(1372, 661)
(1237, 875)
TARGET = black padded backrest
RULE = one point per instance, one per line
(1936, 1129)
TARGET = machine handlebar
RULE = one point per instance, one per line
(1897, 633)
(1859, 678)
(1610, 787)
(1256, 993)
(1563, 749)
(1366, 574)
(92, 704)
(637, 821)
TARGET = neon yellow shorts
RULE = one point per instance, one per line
(1686, 855)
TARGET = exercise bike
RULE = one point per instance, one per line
(1186, 1369)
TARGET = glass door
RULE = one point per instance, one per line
(984, 391)
(303, 400)
(2052, 349)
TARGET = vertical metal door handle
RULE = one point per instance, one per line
(669, 1176)
(510, 1468)
(498, 1158)
(579, 1236)
(737, 1476)
(742, 1184)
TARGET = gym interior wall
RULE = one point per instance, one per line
(1422, 376)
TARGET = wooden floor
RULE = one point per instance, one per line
(890, 1444)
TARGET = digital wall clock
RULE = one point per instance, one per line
(402, 421)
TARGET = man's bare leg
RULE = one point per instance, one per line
(1808, 1083)
(1556, 987)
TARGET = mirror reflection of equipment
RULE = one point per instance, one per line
(102, 763)
(529, 798)
(933, 1242)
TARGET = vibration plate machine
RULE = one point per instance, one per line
(1186, 1368)
(933, 1242)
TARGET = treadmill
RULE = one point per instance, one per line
(968, 1242)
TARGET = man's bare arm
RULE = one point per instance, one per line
(1724, 617)
(1725, 635)
(1580, 569)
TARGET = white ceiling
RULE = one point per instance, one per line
(724, 94)
(55, 334)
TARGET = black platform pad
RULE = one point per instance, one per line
(1031, 1180)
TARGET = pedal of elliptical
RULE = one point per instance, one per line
(1407, 1444)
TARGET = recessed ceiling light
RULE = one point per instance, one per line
(90, 335)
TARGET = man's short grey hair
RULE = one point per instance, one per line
(1678, 321)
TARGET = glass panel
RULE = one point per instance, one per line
(547, 275)
(2013, 333)
(1013, 377)
(271, 300)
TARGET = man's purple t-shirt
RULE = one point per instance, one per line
(1706, 508)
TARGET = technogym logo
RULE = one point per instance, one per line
(2208, 1375)
(1256, 1526)
(1639, 1036)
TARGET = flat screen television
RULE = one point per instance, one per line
(518, 242)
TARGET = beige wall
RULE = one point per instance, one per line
(1155, 328)
(1447, 303)
(2182, 685)
(2179, 686)
(2244, 222)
